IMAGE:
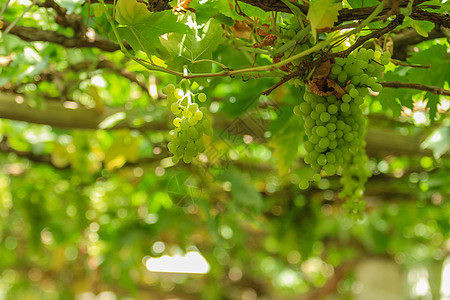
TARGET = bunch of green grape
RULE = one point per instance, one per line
(294, 40)
(190, 123)
(336, 127)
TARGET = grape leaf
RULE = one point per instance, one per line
(322, 14)
(143, 33)
(187, 49)
(249, 10)
(205, 10)
(130, 12)
(421, 27)
(286, 142)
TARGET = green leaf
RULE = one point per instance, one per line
(187, 49)
(130, 12)
(421, 27)
(249, 10)
(438, 141)
(295, 9)
(433, 101)
(322, 14)
(242, 189)
(144, 32)
(285, 142)
(205, 10)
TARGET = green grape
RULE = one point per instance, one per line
(344, 107)
(201, 97)
(346, 98)
(314, 138)
(321, 131)
(304, 184)
(305, 108)
(192, 121)
(320, 108)
(330, 169)
(177, 122)
(331, 127)
(353, 93)
(193, 133)
(342, 77)
(336, 69)
(324, 142)
(377, 87)
(308, 146)
(314, 115)
(332, 136)
(321, 159)
(371, 81)
(175, 108)
(316, 177)
(324, 117)
(331, 157)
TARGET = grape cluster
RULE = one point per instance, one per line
(190, 124)
(336, 127)
(294, 40)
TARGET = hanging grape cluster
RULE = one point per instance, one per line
(336, 127)
(190, 123)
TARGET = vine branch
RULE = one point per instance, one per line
(416, 86)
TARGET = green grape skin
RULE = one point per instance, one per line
(202, 97)
(324, 142)
(320, 108)
(344, 107)
(316, 177)
(321, 131)
(305, 108)
(330, 169)
(346, 98)
(324, 117)
(321, 159)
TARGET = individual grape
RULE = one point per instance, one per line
(192, 121)
(342, 77)
(303, 184)
(316, 177)
(305, 108)
(346, 98)
(314, 115)
(353, 93)
(336, 69)
(177, 122)
(344, 107)
(322, 159)
(308, 146)
(175, 108)
(377, 87)
(330, 169)
(202, 97)
(320, 108)
(324, 117)
(324, 142)
(321, 131)
(331, 127)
